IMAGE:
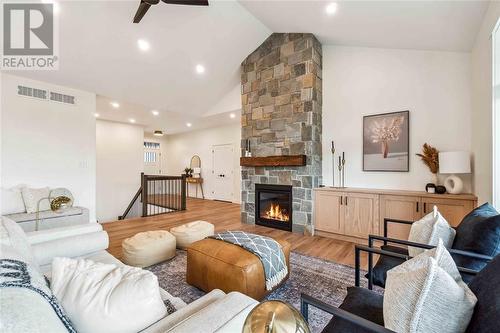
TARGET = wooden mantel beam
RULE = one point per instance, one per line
(274, 161)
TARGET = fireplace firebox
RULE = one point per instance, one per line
(273, 206)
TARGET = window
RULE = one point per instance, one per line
(151, 152)
(496, 115)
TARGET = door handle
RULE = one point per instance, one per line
(417, 206)
(346, 200)
(425, 207)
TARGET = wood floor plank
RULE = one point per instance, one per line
(226, 216)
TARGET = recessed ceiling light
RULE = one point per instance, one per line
(158, 133)
(96, 115)
(155, 113)
(331, 8)
(132, 120)
(143, 45)
(232, 115)
(115, 105)
(200, 69)
(189, 124)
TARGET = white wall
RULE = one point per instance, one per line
(120, 161)
(181, 147)
(482, 105)
(47, 143)
(434, 86)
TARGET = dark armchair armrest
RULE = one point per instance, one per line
(386, 240)
(389, 220)
(306, 300)
(373, 250)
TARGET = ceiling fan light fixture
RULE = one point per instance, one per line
(158, 133)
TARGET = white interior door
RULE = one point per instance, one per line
(223, 172)
(152, 158)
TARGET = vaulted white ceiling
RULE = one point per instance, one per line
(98, 48)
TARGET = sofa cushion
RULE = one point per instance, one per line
(11, 235)
(361, 302)
(486, 287)
(12, 201)
(429, 230)
(386, 263)
(478, 232)
(420, 293)
(45, 215)
(107, 298)
(31, 197)
(27, 303)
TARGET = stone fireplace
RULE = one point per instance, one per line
(274, 206)
(281, 117)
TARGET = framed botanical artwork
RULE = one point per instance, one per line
(386, 142)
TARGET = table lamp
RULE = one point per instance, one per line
(275, 317)
(454, 162)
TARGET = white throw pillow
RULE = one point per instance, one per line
(31, 197)
(12, 200)
(428, 230)
(104, 298)
(427, 295)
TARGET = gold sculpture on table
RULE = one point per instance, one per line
(275, 317)
(57, 205)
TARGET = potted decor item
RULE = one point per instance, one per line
(430, 157)
(188, 171)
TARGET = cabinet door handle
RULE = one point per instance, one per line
(425, 207)
(417, 206)
(346, 200)
(341, 200)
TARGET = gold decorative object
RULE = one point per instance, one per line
(57, 205)
(275, 317)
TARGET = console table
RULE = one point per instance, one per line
(197, 182)
(354, 213)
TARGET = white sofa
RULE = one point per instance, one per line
(214, 312)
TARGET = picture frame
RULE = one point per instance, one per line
(386, 142)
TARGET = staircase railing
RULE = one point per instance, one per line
(159, 195)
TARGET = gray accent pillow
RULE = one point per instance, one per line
(427, 295)
(429, 230)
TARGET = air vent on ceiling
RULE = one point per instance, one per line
(32, 92)
(61, 98)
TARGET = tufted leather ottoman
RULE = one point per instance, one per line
(215, 264)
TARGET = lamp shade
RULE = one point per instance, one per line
(454, 162)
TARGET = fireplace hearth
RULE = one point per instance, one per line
(273, 206)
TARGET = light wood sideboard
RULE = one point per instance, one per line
(354, 213)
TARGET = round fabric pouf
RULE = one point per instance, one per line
(192, 232)
(148, 248)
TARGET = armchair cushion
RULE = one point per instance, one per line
(486, 287)
(478, 232)
(362, 302)
(386, 263)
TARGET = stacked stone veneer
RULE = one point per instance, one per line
(281, 115)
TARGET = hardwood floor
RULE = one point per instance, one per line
(226, 216)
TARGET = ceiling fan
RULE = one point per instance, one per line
(145, 4)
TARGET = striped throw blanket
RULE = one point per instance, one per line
(266, 249)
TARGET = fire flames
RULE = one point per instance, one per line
(275, 212)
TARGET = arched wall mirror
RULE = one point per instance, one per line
(195, 162)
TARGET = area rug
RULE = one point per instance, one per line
(322, 279)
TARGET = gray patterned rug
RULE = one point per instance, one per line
(322, 279)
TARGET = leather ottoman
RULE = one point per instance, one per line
(215, 264)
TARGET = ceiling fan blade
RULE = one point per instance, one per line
(187, 2)
(141, 11)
